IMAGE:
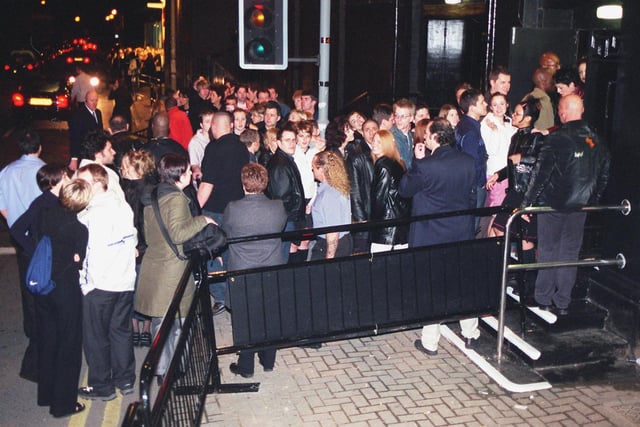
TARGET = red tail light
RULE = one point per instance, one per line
(86, 60)
(29, 67)
(6, 67)
(69, 60)
(17, 99)
(62, 101)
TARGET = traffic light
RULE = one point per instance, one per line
(262, 28)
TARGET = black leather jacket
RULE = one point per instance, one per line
(528, 145)
(572, 169)
(386, 203)
(285, 184)
(360, 169)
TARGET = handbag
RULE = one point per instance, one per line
(206, 242)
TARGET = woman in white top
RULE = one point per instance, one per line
(496, 130)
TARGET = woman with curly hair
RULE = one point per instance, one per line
(331, 206)
(386, 203)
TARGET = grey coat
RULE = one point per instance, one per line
(254, 214)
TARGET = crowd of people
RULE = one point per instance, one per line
(239, 157)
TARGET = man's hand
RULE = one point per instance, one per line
(73, 164)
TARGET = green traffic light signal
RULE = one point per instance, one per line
(262, 34)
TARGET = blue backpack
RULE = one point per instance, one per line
(38, 276)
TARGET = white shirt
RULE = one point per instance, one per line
(496, 141)
(303, 162)
(197, 145)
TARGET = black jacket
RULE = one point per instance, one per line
(285, 184)
(527, 144)
(386, 203)
(360, 169)
(572, 169)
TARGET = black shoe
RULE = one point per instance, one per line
(236, 370)
(418, 344)
(126, 389)
(561, 311)
(77, 408)
(218, 308)
(136, 339)
(545, 307)
(315, 346)
(469, 343)
(90, 393)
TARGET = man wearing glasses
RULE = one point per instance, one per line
(403, 112)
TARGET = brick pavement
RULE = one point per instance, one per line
(384, 381)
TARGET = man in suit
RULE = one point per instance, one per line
(442, 182)
(86, 117)
(239, 219)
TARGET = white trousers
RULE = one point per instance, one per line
(431, 333)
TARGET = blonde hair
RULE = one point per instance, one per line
(334, 171)
(76, 195)
(389, 147)
(141, 161)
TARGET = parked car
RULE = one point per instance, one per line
(20, 63)
(41, 98)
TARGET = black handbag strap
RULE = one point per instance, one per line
(163, 228)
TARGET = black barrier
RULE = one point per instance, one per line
(364, 295)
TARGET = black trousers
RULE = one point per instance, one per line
(267, 359)
(559, 239)
(107, 339)
(59, 317)
(319, 250)
(29, 367)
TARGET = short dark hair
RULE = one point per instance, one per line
(567, 76)
(287, 127)
(118, 123)
(170, 102)
(531, 107)
(254, 177)
(273, 105)
(218, 89)
(94, 142)
(468, 98)
(50, 175)
(381, 112)
(29, 141)
(499, 69)
(171, 167)
(442, 128)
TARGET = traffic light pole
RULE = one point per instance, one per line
(323, 75)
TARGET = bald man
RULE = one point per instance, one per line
(550, 62)
(543, 86)
(85, 117)
(161, 144)
(572, 171)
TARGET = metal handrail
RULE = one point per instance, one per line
(624, 207)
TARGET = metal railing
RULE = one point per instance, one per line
(194, 372)
(624, 207)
